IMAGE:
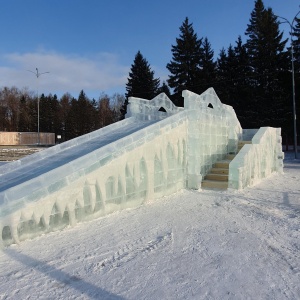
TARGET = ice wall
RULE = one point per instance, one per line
(142, 109)
(257, 160)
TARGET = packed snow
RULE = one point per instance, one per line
(205, 244)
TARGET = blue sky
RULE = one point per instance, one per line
(91, 44)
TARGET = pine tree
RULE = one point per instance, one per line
(87, 113)
(207, 74)
(221, 74)
(44, 113)
(225, 74)
(241, 82)
(80, 119)
(243, 68)
(33, 113)
(253, 31)
(55, 121)
(141, 82)
(186, 61)
(64, 109)
(296, 45)
(268, 61)
(296, 55)
(24, 118)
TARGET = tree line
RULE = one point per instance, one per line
(253, 76)
(68, 117)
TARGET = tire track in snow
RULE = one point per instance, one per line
(141, 247)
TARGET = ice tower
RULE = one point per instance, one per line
(157, 150)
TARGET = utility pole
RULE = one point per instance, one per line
(293, 79)
(37, 74)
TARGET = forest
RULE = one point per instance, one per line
(68, 117)
(255, 77)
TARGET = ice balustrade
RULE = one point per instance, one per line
(157, 150)
(213, 132)
(257, 160)
(159, 107)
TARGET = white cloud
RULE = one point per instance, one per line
(68, 73)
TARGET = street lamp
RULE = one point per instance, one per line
(37, 74)
(293, 79)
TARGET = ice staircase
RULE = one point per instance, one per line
(217, 178)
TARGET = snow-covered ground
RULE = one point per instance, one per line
(192, 245)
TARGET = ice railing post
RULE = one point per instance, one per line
(213, 131)
(257, 160)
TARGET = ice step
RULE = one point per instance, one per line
(214, 184)
(223, 164)
(242, 143)
(245, 142)
(218, 177)
(219, 171)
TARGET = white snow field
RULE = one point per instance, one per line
(209, 244)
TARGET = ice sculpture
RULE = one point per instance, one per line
(157, 150)
(258, 159)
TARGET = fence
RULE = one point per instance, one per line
(26, 138)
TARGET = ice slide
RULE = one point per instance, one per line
(36, 165)
(89, 176)
(148, 155)
(32, 180)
